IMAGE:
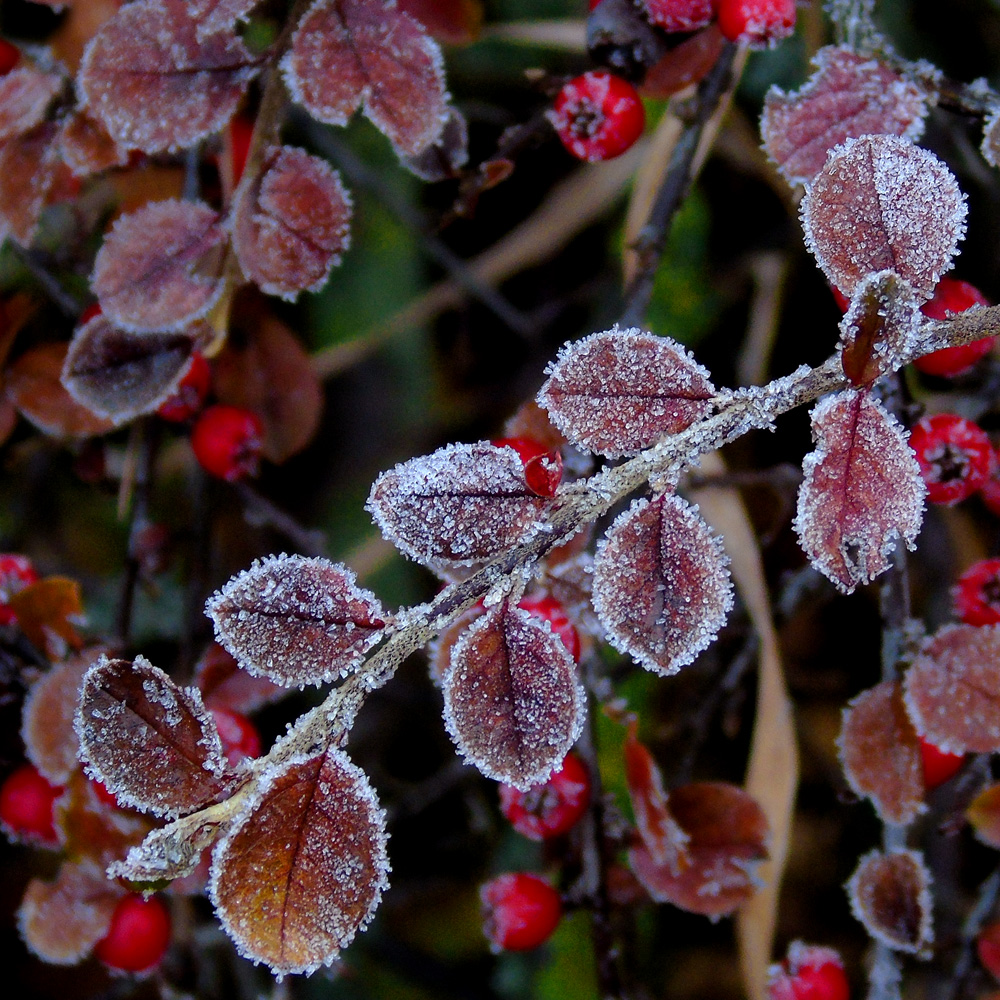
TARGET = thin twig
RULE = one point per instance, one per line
(260, 512)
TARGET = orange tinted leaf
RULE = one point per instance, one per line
(28, 167)
(25, 95)
(890, 895)
(304, 867)
(983, 814)
(454, 21)
(46, 612)
(223, 684)
(512, 701)
(87, 146)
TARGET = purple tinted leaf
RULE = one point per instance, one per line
(25, 96)
(661, 587)
(861, 490)
(218, 15)
(28, 165)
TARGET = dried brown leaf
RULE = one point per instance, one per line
(47, 613)
(890, 895)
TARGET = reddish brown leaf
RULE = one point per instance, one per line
(154, 84)
(890, 895)
(348, 52)
(883, 204)
(120, 375)
(29, 164)
(880, 752)
(224, 685)
(34, 387)
(953, 689)
(983, 814)
(47, 612)
(87, 146)
(61, 921)
(25, 96)
(621, 391)
(265, 368)
(152, 743)
(460, 505)
(304, 867)
(291, 223)
(728, 835)
(296, 620)
(218, 15)
(160, 268)
(512, 702)
(684, 64)
(861, 492)
(454, 21)
(849, 95)
(661, 587)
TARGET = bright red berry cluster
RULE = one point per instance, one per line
(191, 392)
(552, 808)
(810, 972)
(16, 573)
(756, 22)
(598, 115)
(938, 765)
(520, 911)
(954, 454)
(227, 441)
(977, 593)
(27, 806)
(138, 936)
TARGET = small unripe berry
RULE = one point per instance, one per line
(27, 806)
(954, 454)
(138, 936)
(952, 296)
(808, 973)
(520, 911)
(542, 467)
(598, 115)
(552, 611)
(189, 396)
(552, 808)
(938, 765)
(16, 573)
(757, 22)
(10, 56)
(239, 735)
(227, 442)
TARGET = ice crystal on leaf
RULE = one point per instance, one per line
(28, 169)
(849, 95)
(155, 84)
(87, 146)
(291, 223)
(861, 490)
(346, 53)
(462, 504)
(160, 267)
(883, 204)
(296, 620)
(890, 895)
(303, 868)
(214, 16)
(151, 742)
(25, 96)
(661, 587)
(618, 392)
(880, 752)
(953, 689)
(990, 146)
(727, 835)
(513, 703)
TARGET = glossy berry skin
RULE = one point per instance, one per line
(757, 22)
(227, 442)
(952, 296)
(191, 392)
(550, 809)
(938, 765)
(520, 911)
(954, 455)
(808, 973)
(598, 115)
(27, 806)
(16, 573)
(680, 15)
(10, 56)
(542, 467)
(977, 593)
(552, 611)
(240, 739)
(138, 936)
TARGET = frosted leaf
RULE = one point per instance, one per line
(151, 742)
(453, 21)
(462, 504)
(25, 96)
(224, 684)
(439, 650)
(880, 753)
(727, 840)
(618, 392)
(213, 16)
(990, 146)
(512, 701)
(348, 52)
(953, 689)
(154, 84)
(881, 324)
(848, 96)
(861, 490)
(983, 815)
(61, 921)
(296, 620)
(120, 375)
(890, 895)
(87, 146)
(445, 157)
(661, 587)
(291, 223)
(169, 852)
(571, 583)
(303, 869)
(160, 267)
(28, 166)
(883, 204)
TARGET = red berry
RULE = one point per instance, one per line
(102, 793)
(10, 56)
(520, 911)
(680, 15)
(939, 765)
(808, 973)
(593, 3)
(94, 309)
(227, 441)
(552, 611)
(977, 593)
(189, 396)
(239, 735)
(988, 948)
(598, 115)
(758, 22)
(27, 806)
(550, 809)
(542, 467)
(843, 302)
(138, 936)
(16, 573)
(954, 455)
(240, 136)
(950, 297)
